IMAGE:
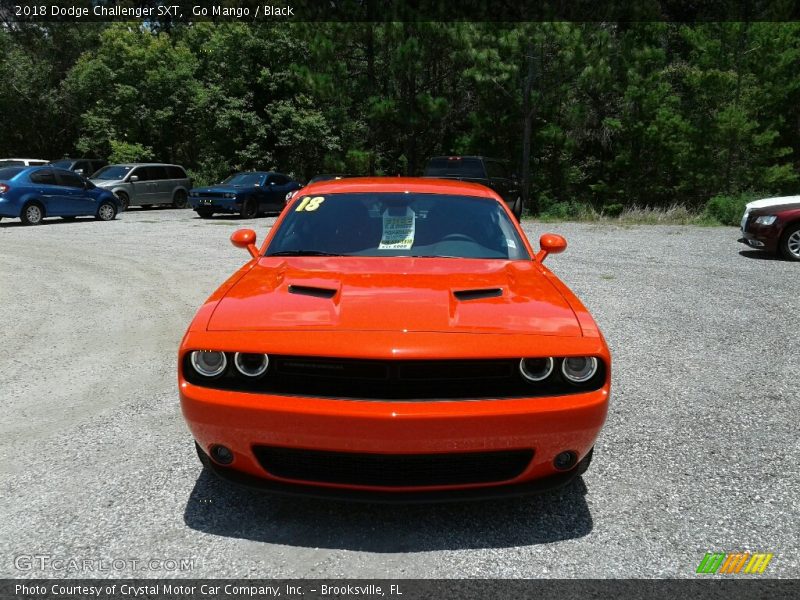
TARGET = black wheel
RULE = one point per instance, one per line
(205, 213)
(32, 213)
(180, 199)
(204, 458)
(124, 200)
(249, 209)
(790, 242)
(106, 211)
(517, 208)
(584, 464)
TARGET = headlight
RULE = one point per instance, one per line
(579, 369)
(536, 369)
(251, 365)
(229, 195)
(209, 363)
(766, 219)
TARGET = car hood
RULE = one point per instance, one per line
(396, 294)
(770, 202)
(225, 189)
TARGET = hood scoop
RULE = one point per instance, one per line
(310, 290)
(465, 295)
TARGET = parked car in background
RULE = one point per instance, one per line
(491, 172)
(82, 166)
(22, 162)
(247, 194)
(317, 179)
(773, 224)
(146, 184)
(35, 193)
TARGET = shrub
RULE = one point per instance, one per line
(728, 209)
(612, 210)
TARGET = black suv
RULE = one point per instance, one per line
(490, 172)
(82, 166)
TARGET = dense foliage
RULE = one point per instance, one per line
(599, 115)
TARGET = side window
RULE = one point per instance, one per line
(157, 173)
(69, 179)
(139, 172)
(176, 173)
(43, 177)
(280, 180)
(496, 169)
(83, 165)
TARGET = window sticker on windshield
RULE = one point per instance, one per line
(309, 204)
(398, 231)
(511, 243)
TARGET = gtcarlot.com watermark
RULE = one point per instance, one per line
(81, 564)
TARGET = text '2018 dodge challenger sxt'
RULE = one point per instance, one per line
(395, 339)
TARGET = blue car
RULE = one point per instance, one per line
(34, 193)
(247, 194)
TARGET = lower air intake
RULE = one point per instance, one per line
(393, 470)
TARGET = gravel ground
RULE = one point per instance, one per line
(700, 451)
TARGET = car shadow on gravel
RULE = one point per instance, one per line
(760, 255)
(221, 508)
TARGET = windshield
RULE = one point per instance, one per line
(112, 172)
(397, 224)
(245, 179)
(9, 172)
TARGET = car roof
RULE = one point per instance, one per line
(144, 164)
(420, 185)
(460, 156)
(37, 159)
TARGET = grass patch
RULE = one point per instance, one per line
(719, 211)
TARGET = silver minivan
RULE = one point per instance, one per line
(145, 184)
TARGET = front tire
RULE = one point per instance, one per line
(790, 243)
(205, 460)
(585, 462)
(32, 214)
(249, 209)
(106, 212)
(180, 199)
(124, 200)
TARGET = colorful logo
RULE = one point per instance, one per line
(734, 563)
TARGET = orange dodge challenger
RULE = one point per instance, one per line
(395, 339)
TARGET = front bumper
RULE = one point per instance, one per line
(223, 205)
(762, 237)
(245, 421)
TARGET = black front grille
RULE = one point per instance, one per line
(404, 380)
(393, 470)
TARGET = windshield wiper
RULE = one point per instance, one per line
(303, 253)
(432, 256)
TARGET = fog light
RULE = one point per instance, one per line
(221, 454)
(565, 460)
(755, 243)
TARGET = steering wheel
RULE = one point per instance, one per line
(457, 236)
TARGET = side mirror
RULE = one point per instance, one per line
(79, 171)
(245, 238)
(550, 243)
(134, 178)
